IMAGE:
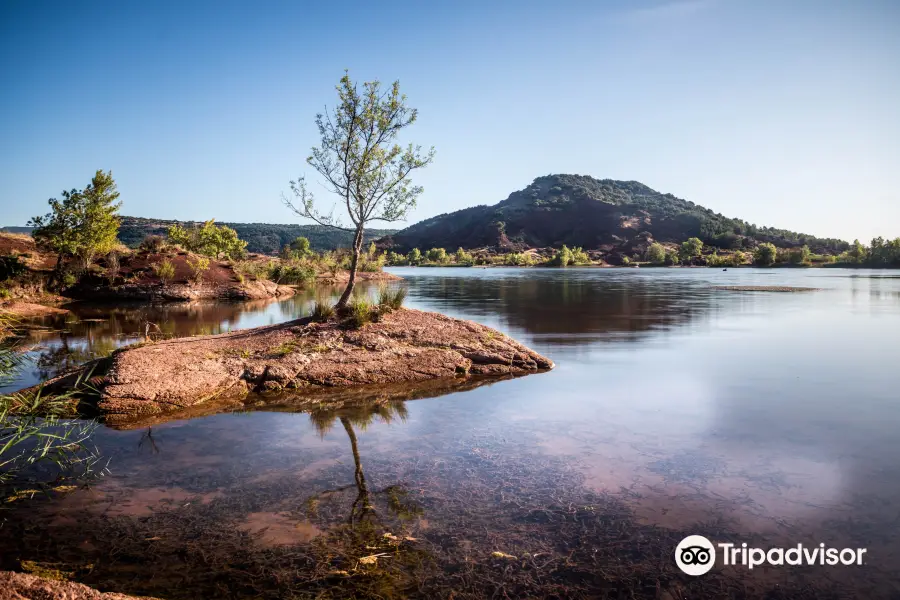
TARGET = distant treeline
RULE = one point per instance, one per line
(262, 238)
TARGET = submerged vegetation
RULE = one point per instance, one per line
(42, 447)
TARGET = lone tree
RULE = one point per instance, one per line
(362, 163)
(83, 225)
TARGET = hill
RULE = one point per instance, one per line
(260, 237)
(596, 214)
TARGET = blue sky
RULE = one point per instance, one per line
(781, 113)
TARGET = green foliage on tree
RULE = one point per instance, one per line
(362, 164)
(884, 253)
(301, 247)
(691, 248)
(580, 257)
(436, 255)
(165, 270)
(396, 260)
(765, 254)
(414, 257)
(563, 257)
(858, 253)
(671, 258)
(463, 258)
(209, 239)
(799, 256)
(656, 253)
(83, 225)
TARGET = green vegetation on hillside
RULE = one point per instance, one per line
(578, 210)
(261, 238)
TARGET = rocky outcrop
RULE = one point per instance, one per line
(182, 292)
(22, 586)
(28, 310)
(304, 356)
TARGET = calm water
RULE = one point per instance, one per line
(675, 408)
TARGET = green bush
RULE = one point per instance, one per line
(165, 270)
(10, 267)
(563, 257)
(360, 311)
(437, 255)
(209, 239)
(765, 254)
(463, 258)
(656, 254)
(414, 257)
(153, 243)
(799, 256)
(580, 257)
(323, 309)
(392, 299)
(198, 265)
(518, 259)
(691, 248)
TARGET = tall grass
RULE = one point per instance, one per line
(38, 430)
(360, 311)
(391, 298)
(323, 309)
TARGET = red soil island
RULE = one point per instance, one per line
(305, 356)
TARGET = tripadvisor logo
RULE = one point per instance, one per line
(696, 555)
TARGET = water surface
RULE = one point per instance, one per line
(675, 408)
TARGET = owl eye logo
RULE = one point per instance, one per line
(695, 555)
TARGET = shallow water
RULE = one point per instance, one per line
(675, 408)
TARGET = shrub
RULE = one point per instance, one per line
(292, 274)
(799, 256)
(414, 257)
(165, 270)
(580, 257)
(393, 299)
(153, 243)
(395, 259)
(691, 248)
(323, 309)
(437, 255)
(463, 258)
(10, 267)
(563, 257)
(360, 311)
(199, 265)
(301, 247)
(209, 239)
(765, 254)
(518, 259)
(656, 253)
(69, 279)
(671, 258)
(737, 259)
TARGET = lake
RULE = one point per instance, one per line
(771, 419)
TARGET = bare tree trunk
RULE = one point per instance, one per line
(56, 274)
(354, 263)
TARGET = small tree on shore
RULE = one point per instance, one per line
(691, 248)
(83, 225)
(765, 254)
(362, 164)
